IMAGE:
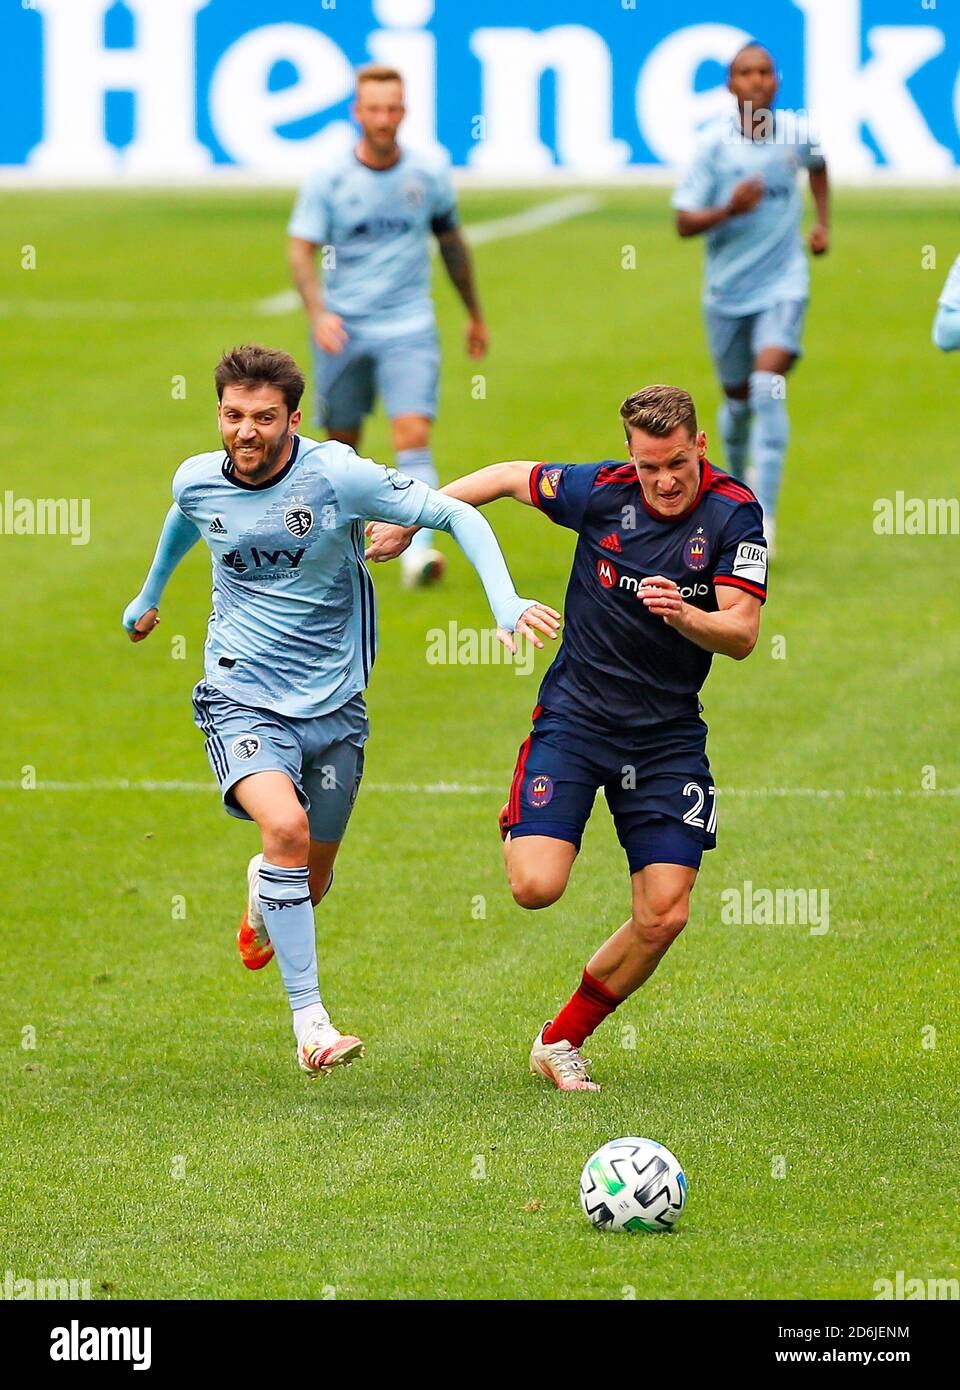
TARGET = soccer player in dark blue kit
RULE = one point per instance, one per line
(670, 568)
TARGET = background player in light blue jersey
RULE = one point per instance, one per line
(290, 643)
(372, 323)
(946, 325)
(741, 191)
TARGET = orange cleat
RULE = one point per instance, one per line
(253, 940)
(323, 1048)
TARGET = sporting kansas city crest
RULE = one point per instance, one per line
(298, 519)
(696, 552)
(245, 747)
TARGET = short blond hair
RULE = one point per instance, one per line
(659, 410)
(377, 72)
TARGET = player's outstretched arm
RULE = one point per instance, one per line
(477, 489)
(732, 631)
(946, 329)
(475, 537)
(178, 536)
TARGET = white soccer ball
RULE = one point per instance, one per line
(633, 1185)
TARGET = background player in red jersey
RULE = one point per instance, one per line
(670, 568)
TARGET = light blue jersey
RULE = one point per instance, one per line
(377, 223)
(294, 623)
(757, 259)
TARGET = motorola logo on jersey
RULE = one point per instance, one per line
(263, 559)
(610, 579)
(633, 586)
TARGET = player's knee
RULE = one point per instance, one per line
(345, 436)
(659, 927)
(286, 834)
(532, 890)
(411, 432)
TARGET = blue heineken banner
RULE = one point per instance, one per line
(513, 89)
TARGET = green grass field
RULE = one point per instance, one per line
(158, 1138)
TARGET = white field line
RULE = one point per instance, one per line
(530, 220)
(114, 309)
(123, 784)
(495, 229)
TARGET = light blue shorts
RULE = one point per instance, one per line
(736, 340)
(323, 757)
(403, 371)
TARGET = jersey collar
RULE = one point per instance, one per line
(226, 468)
(372, 168)
(706, 469)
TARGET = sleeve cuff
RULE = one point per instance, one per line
(444, 222)
(297, 229)
(744, 584)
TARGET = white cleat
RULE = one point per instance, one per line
(321, 1048)
(561, 1063)
(423, 567)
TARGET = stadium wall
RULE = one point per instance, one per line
(181, 91)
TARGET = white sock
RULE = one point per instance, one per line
(310, 1013)
(418, 463)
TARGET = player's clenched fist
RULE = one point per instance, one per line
(819, 239)
(387, 541)
(746, 196)
(478, 338)
(143, 626)
(661, 596)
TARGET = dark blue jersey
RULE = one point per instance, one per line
(620, 665)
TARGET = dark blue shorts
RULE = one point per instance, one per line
(658, 787)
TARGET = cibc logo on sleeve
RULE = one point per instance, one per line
(751, 562)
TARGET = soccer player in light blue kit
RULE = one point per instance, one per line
(372, 324)
(290, 643)
(946, 325)
(741, 191)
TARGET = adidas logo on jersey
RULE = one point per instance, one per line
(612, 542)
(217, 527)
